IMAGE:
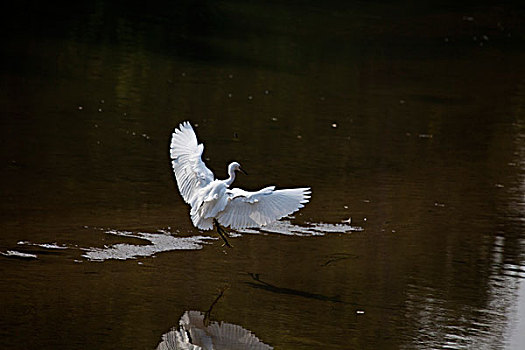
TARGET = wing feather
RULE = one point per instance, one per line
(190, 171)
(254, 209)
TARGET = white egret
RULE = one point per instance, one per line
(213, 202)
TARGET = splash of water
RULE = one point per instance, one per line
(285, 227)
(159, 242)
(164, 241)
(17, 254)
(43, 245)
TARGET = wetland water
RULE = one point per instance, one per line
(408, 119)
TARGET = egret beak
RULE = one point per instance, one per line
(242, 170)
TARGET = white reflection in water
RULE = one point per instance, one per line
(449, 325)
(517, 336)
(164, 241)
(498, 322)
(194, 333)
(17, 254)
(159, 242)
(43, 245)
(285, 227)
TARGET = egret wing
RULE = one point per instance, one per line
(190, 171)
(254, 209)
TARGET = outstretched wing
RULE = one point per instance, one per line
(254, 209)
(190, 171)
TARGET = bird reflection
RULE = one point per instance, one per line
(210, 309)
(196, 332)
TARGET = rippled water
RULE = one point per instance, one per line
(160, 242)
(165, 241)
(406, 120)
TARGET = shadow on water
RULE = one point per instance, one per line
(287, 291)
(338, 257)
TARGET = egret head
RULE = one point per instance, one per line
(234, 166)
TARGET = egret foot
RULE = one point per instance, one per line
(222, 232)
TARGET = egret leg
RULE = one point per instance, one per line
(221, 232)
(207, 314)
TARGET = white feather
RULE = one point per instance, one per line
(190, 171)
(254, 209)
(213, 199)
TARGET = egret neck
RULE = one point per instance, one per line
(231, 172)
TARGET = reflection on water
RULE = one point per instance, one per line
(17, 254)
(44, 245)
(285, 227)
(165, 241)
(194, 333)
(513, 268)
(439, 324)
(160, 242)
(517, 335)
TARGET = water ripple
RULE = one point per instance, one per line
(17, 254)
(159, 242)
(285, 227)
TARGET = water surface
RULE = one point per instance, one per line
(406, 120)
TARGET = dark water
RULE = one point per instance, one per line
(407, 118)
